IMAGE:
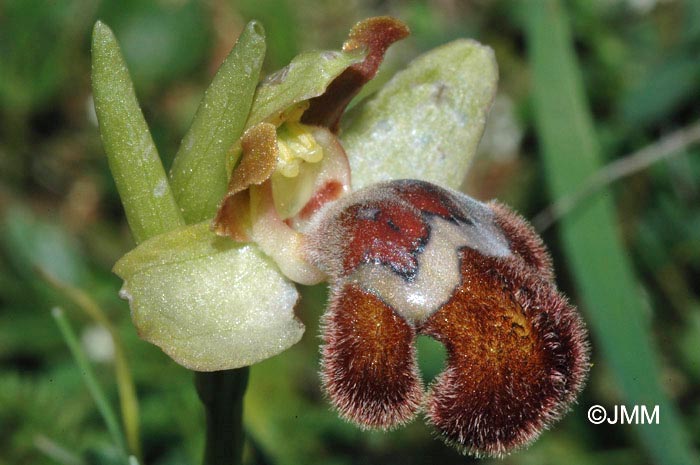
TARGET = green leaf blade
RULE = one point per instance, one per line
(595, 254)
(198, 175)
(88, 374)
(149, 204)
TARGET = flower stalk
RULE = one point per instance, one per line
(221, 393)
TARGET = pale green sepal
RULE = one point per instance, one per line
(133, 159)
(427, 121)
(198, 175)
(208, 302)
(307, 76)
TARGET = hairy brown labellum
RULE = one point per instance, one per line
(406, 258)
(516, 357)
(361, 369)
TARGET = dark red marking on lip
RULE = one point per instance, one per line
(369, 360)
(391, 228)
(429, 199)
(391, 236)
(328, 192)
(517, 357)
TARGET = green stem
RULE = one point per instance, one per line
(222, 392)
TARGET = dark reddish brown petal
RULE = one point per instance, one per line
(376, 34)
(523, 239)
(369, 363)
(258, 162)
(517, 357)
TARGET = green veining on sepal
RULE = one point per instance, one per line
(427, 121)
(208, 302)
(198, 175)
(133, 159)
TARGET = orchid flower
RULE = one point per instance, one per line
(273, 186)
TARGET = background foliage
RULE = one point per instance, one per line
(636, 78)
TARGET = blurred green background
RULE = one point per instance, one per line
(628, 254)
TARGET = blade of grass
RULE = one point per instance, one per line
(149, 204)
(55, 451)
(93, 386)
(595, 255)
(125, 383)
(198, 174)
